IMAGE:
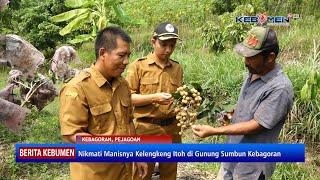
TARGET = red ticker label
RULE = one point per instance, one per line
(47, 152)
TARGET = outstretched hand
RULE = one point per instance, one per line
(202, 130)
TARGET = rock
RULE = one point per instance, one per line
(3, 3)
(3, 62)
(59, 65)
(12, 115)
(21, 55)
(7, 93)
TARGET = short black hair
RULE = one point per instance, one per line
(271, 44)
(106, 38)
(274, 49)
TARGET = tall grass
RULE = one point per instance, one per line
(303, 122)
(295, 171)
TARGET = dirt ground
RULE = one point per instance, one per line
(187, 171)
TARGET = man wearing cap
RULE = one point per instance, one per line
(151, 80)
(263, 105)
(98, 102)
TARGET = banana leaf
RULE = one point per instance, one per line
(74, 24)
(68, 15)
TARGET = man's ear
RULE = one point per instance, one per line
(271, 57)
(102, 51)
(153, 41)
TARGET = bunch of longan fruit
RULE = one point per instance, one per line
(187, 106)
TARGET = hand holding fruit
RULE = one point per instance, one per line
(202, 130)
(163, 98)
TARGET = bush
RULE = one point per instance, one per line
(223, 31)
(30, 20)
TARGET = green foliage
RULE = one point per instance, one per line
(154, 12)
(214, 101)
(272, 7)
(303, 122)
(198, 13)
(30, 19)
(310, 90)
(40, 127)
(95, 13)
(305, 7)
(220, 7)
(295, 171)
(223, 32)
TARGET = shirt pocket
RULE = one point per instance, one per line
(102, 118)
(125, 109)
(149, 85)
(175, 83)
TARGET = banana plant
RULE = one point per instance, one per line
(96, 13)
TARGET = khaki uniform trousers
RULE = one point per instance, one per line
(168, 171)
(101, 171)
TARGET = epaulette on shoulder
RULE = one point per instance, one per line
(174, 61)
(81, 76)
(84, 74)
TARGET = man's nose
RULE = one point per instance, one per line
(169, 49)
(126, 61)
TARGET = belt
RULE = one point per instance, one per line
(161, 122)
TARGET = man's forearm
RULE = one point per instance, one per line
(141, 100)
(242, 128)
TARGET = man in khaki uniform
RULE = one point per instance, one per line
(97, 102)
(151, 80)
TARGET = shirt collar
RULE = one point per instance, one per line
(152, 58)
(100, 80)
(273, 73)
(270, 75)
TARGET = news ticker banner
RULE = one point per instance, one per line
(160, 152)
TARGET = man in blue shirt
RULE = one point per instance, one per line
(264, 102)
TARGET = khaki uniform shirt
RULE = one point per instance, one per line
(146, 76)
(89, 103)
